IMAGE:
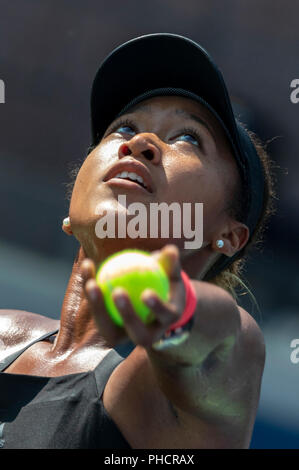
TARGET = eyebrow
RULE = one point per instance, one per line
(196, 118)
(186, 114)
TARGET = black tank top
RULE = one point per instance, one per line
(65, 412)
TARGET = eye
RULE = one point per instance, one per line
(124, 129)
(190, 136)
(122, 126)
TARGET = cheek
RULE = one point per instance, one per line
(107, 150)
(87, 190)
(81, 199)
(81, 181)
(199, 182)
(196, 181)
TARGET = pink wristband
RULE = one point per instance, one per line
(190, 303)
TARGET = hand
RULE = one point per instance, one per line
(166, 313)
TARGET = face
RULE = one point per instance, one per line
(178, 148)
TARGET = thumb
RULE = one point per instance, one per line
(169, 259)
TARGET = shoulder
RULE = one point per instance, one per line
(19, 327)
(251, 339)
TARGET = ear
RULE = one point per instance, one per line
(234, 238)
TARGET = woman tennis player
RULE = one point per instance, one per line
(163, 130)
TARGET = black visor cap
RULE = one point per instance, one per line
(165, 60)
(156, 61)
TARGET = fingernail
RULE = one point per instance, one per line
(150, 301)
(93, 295)
(120, 301)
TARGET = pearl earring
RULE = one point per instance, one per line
(66, 224)
(219, 243)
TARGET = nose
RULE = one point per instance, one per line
(141, 145)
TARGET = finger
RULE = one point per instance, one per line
(88, 269)
(165, 313)
(105, 324)
(94, 294)
(169, 258)
(138, 331)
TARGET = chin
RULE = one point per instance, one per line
(99, 249)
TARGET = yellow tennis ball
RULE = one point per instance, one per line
(135, 271)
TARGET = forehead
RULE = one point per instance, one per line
(173, 105)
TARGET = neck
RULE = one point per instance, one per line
(196, 263)
(77, 325)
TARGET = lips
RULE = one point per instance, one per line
(141, 176)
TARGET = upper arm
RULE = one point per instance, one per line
(211, 406)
